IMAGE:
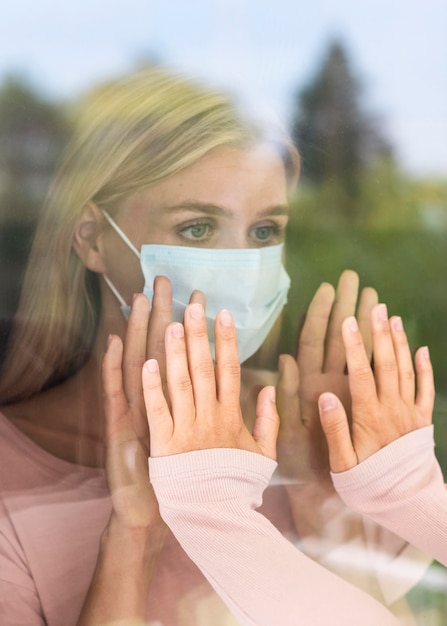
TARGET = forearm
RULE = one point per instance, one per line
(402, 488)
(321, 519)
(120, 585)
(259, 574)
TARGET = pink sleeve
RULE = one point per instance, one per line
(402, 488)
(208, 499)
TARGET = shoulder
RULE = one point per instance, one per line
(27, 467)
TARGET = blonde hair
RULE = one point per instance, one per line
(131, 134)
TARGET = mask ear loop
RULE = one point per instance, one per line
(115, 291)
(125, 238)
(121, 234)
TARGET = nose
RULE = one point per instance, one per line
(234, 239)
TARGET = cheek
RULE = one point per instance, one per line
(130, 279)
(124, 270)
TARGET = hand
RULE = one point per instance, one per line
(133, 538)
(320, 366)
(385, 403)
(127, 434)
(205, 405)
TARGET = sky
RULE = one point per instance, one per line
(263, 50)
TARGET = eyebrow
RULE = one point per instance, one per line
(212, 209)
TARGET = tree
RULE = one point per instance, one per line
(336, 138)
(32, 133)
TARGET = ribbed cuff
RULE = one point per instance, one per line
(210, 475)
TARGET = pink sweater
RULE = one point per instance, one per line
(208, 499)
(402, 488)
(52, 514)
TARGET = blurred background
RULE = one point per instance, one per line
(361, 86)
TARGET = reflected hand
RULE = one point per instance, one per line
(127, 434)
(205, 400)
(320, 366)
(385, 403)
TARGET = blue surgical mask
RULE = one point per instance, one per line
(251, 283)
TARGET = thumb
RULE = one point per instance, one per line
(334, 422)
(287, 393)
(265, 429)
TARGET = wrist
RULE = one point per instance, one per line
(143, 541)
(319, 517)
(124, 570)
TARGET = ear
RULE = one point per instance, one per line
(85, 238)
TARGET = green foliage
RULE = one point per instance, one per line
(32, 133)
(408, 267)
(387, 199)
(22, 108)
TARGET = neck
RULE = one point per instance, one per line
(66, 420)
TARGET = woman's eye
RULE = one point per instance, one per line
(267, 233)
(196, 231)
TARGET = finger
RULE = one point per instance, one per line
(135, 350)
(385, 363)
(115, 402)
(368, 299)
(161, 316)
(404, 361)
(119, 428)
(287, 397)
(344, 306)
(362, 385)
(200, 361)
(159, 419)
(178, 376)
(334, 422)
(313, 335)
(266, 426)
(228, 369)
(198, 296)
(425, 396)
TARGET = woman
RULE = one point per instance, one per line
(154, 160)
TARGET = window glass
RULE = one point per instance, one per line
(360, 91)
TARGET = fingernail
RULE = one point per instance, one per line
(109, 339)
(352, 324)
(152, 366)
(382, 312)
(425, 352)
(196, 311)
(281, 360)
(177, 330)
(397, 323)
(327, 402)
(226, 318)
(272, 394)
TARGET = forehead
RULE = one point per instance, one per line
(245, 166)
(227, 177)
